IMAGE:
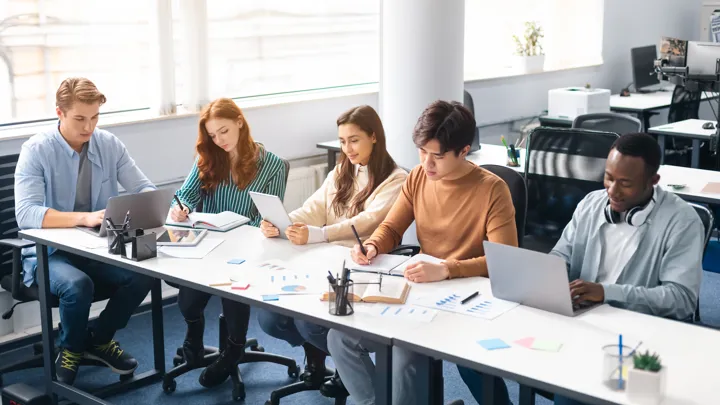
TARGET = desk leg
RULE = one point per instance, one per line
(527, 395)
(488, 382)
(383, 378)
(645, 118)
(157, 323)
(331, 156)
(695, 157)
(661, 142)
(42, 276)
(437, 382)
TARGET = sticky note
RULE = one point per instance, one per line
(546, 345)
(240, 286)
(493, 344)
(270, 297)
(236, 261)
(526, 342)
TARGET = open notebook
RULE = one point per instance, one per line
(223, 221)
(393, 265)
(393, 291)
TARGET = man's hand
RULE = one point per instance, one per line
(581, 290)
(179, 215)
(424, 272)
(268, 229)
(93, 219)
(297, 233)
(358, 256)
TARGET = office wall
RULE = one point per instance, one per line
(163, 149)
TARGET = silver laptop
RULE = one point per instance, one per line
(531, 278)
(147, 210)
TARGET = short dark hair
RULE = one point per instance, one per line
(449, 122)
(643, 146)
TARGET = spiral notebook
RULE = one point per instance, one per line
(222, 222)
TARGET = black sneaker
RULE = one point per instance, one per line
(226, 363)
(66, 366)
(113, 356)
(334, 388)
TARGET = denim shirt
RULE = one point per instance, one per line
(662, 277)
(46, 177)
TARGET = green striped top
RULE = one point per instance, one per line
(271, 178)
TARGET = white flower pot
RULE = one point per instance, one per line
(529, 64)
(646, 387)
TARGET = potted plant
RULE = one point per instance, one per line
(530, 57)
(646, 380)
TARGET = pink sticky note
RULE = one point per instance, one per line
(526, 342)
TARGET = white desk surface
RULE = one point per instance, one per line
(691, 128)
(648, 101)
(693, 179)
(577, 367)
(686, 350)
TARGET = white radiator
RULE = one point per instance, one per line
(302, 183)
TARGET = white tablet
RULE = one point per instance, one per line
(272, 210)
(181, 237)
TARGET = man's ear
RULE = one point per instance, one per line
(464, 151)
(59, 113)
(655, 179)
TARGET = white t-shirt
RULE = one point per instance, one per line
(619, 242)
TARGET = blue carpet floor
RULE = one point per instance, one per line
(260, 379)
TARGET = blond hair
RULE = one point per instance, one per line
(77, 89)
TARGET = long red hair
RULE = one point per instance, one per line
(213, 162)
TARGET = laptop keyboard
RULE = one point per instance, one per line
(582, 305)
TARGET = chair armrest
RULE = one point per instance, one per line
(17, 245)
(405, 250)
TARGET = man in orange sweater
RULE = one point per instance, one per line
(455, 205)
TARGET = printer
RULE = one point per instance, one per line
(569, 102)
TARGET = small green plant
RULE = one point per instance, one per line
(647, 361)
(530, 44)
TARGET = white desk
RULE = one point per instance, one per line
(694, 181)
(245, 242)
(691, 129)
(575, 370)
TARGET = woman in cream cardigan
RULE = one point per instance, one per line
(359, 191)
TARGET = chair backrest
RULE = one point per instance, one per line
(518, 192)
(8, 224)
(562, 167)
(470, 104)
(684, 105)
(708, 221)
(609, 122)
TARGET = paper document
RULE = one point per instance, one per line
(223, 221)
(407, 312)
(482, 306)
(191, 252)
(275, 277)
(382, 263)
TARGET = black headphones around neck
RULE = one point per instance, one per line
(635, 216)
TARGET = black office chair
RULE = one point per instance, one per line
(684, 105)
(468, 102)
(518, 192)
(620, 124)
(562, 167)
(708, 221)
(11, 277)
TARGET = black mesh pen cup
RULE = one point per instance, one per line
(340, 301)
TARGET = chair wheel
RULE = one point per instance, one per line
(294, 372)
(169, 386)
(238, 393)
(126, 377)
(257, 348)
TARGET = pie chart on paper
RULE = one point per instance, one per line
(294, 288)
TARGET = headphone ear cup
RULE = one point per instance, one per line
(630, 214)
(611, 216)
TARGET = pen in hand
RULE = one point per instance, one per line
(180, 204)
(362, 248)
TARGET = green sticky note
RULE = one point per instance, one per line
(546, 345)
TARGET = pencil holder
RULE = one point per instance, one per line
(510, 160)
(142, 246)
(117, 238)
(339, 299)
(613, 367)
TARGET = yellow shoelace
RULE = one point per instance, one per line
(112, 348)
(70, 360)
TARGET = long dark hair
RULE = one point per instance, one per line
(379, 166)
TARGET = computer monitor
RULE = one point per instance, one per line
(643, 67)
(702, 60)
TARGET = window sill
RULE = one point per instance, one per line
(508, 73)
(24, 131)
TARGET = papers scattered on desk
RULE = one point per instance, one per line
(274, 277)
(482, 306)
(539, 344)
(191, 252)
(406, 312)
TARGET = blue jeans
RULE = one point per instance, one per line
(473, 380)
(293, 331)
(73, 280)
(351, 355)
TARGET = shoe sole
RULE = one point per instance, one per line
(108, 365)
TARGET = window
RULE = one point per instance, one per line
(573, 34)
(45, 41)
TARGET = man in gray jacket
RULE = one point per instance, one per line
(634, 245)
